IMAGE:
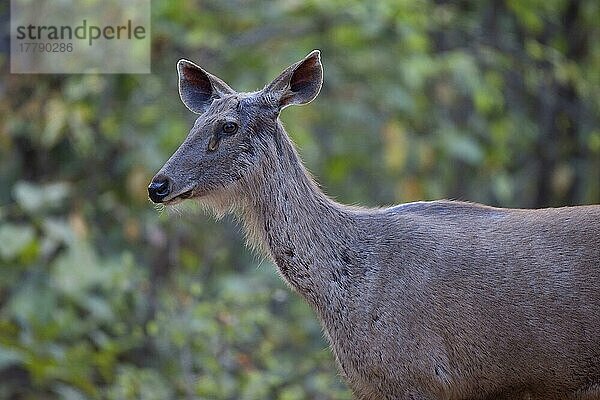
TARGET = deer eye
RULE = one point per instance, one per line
(230, 127)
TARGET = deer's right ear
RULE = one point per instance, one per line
(300, 83)
(198, 88)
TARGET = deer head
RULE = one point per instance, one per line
(235, 132)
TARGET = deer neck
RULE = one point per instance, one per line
(303, 231)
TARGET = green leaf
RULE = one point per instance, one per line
(34, 198)
(14, 240)
(78, 269)
(9, 357)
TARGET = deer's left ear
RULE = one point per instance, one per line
(300, 83)
(198, 88)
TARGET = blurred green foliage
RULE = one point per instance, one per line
(103, 297)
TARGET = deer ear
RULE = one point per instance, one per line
(198, 88)
(300, 83)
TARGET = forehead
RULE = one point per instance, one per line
(224, 105)
(239, 102)
(220, 108)
(236, 105)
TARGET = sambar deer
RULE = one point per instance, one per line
(425, 300)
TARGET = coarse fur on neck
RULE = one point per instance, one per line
(287, 217)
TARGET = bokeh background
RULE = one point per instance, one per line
(103, 297)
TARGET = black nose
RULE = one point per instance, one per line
(159, 188)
